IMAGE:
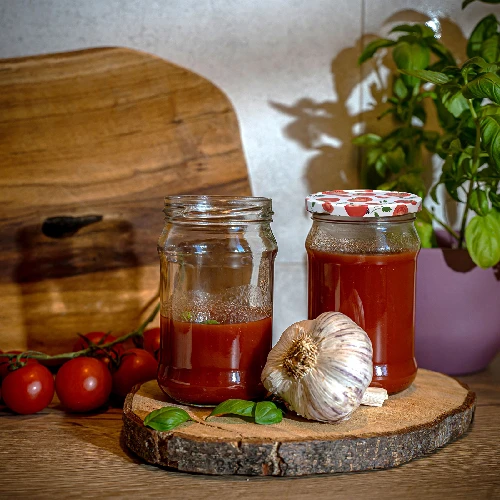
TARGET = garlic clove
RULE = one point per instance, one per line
(321, 367)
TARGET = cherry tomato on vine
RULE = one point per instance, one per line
(97, 338)
(5, 363)
(151, 342)
(28, 389)
(83, 384)
(136, 366)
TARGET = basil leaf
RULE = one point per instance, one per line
(490, 49)
(490, 135)
(478, 201)
(485, 85)
(482, 235)
(266, 412)
(411, 56)
(366, 140)
(210, 322)
(453, 100)
(166, 419)
(484, 29)
(234, 406)
(429, 76)
(372, 47)
(418, 29)
(400, 88)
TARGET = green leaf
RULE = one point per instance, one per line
(482, 235)
(429, 76)
(266, 412)
(478, 201)
(166, 419)
(455, 146)
(187, 316)
(490, 49)
(234, 407)
(488, 110)
(446, 57)
(386, 209)
(419, 29)
(453, 100)
(400, 88)
(485, 29)
(425, 233)
(395, 159)
(410, 57)
(372, 47)
(367, 140)
(495, 200)
(210, 322)
(490, 135)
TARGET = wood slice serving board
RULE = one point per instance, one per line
(435, 410)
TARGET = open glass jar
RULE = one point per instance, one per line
(217, 267)
(362, 250)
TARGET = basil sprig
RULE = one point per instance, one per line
(264, 412)
(166, 419)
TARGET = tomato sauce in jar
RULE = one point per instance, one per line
(205, 364)
(364, 267)
(216, 291)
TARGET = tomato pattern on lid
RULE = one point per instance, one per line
(363, 203)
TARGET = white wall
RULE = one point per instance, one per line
(288, 66)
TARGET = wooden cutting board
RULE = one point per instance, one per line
(435, 410)
(102, 135)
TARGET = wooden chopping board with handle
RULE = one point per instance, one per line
(90, 143)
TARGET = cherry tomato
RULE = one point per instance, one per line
(6, 362)
(97, 338)
(136, 366)
(151, 342)
(28, 389)
(83, 384)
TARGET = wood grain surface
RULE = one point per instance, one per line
(101, 132)
(435, 410)
(55, 455)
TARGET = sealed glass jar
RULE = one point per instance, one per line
(362, 250)
(217, 266)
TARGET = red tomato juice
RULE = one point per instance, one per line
(204, 364)
(377, 291)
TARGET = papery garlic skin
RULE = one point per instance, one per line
(321, 367)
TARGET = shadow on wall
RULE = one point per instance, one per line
(326, 128)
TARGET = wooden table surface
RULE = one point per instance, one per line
(55, 455)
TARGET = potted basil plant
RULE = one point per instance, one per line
(458, 270)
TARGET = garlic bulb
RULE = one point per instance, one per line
(321, 367)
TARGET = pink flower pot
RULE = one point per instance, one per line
(457, 327)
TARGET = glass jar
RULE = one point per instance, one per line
(362, 250)
(216, 290)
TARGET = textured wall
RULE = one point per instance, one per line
(289, 67)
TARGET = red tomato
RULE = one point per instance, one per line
(356, 211)
(28, 389)
(151, 342)
(361, 198)
(137, 366)
(328, 207)
(6, 362)
(400, 210)
(83, 384)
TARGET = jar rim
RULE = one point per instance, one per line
(217, 208)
